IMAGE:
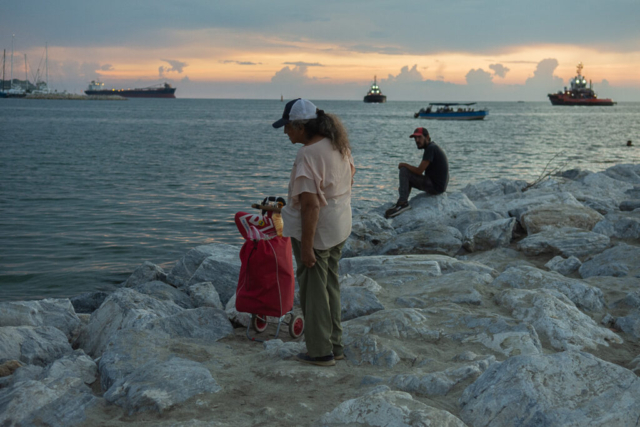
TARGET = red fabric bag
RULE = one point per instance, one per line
(266, 282)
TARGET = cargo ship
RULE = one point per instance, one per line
(579, 94)
(157, 91)
(375, 96)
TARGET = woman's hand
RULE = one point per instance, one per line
(308, 257)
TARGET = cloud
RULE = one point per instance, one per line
(230, 61)
(304, 64)
(292, 76)
(106, 67)
(499, 70)
(185, 79)
(453, 26)
(175, 66)
(543, 76)
(406, 75)
(479, 77)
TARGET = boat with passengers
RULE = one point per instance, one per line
(451, 111)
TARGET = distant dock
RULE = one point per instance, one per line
(74, 97)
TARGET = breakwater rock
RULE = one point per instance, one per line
(498, 305)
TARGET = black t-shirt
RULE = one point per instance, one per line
(438, 169)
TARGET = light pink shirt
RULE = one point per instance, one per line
(321, 170)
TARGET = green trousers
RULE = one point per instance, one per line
(320, 300)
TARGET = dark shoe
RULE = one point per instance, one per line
(320, 361)
(397, 209)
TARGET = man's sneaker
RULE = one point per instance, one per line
(397, 209)
(320, 361)
(339, 356)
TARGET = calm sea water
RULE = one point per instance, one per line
(91, 189)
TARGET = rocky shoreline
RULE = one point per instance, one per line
(498, 305)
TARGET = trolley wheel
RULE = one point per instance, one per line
(259, 323)
(296, 326)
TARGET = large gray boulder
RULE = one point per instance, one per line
(499, 259)
(187, 266)
(205, 323)
(584, 296)
(599, 191)
(389, 265)
(440, 383)
(58, 313)
(368, 233)
(434, 238)
(565, 241)
(39, 345)
(488, 235)
(129, 349)
(159, 386)
(630, 205)
(360, 281)
(59, 402)
(358, 301)
(222, 270)
(428, 210)
(629, 173)
(563, 389)
(462, 220)
(123, 309)
(388, 336)
(564, 266)
(556, 319)
(408, 267)
(88, 302)
(538, 218)
(621, 225)
(147, 272)
(629, 324)
(619, 261)
(77, 364)
(163, 292)
(387, 408)
(204, 295)
(487, 190)
(517, 203)
(458, 287)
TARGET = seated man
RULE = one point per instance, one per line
(435, 167)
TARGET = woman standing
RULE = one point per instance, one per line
(317, 217)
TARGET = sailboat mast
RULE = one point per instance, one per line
(46, 62)
(26, 77)
(11, 77)
(4, 60)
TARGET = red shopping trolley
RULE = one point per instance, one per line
(266, 283)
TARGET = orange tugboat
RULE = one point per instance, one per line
(579, 94)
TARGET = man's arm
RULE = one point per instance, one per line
(417, 170)
(310, 209)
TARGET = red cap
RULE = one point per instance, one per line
(418, 132)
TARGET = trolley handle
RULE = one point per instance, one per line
(266, 208)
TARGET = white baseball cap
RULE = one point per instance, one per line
(298, 109)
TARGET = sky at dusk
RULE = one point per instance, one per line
(456, 50)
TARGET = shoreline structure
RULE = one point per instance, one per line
(499, 304)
